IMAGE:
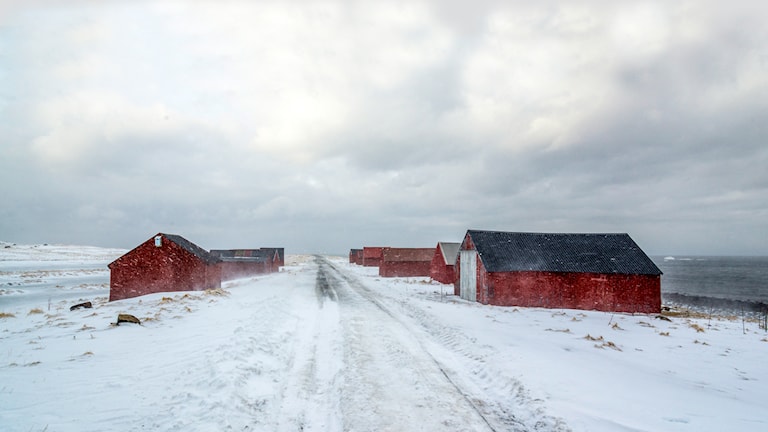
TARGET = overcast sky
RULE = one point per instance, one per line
(321, 126)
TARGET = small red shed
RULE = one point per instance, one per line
(606, 272)
(279, 260)
(353, 255)
(372, 256)
(405, 262)
(443, 260)
(165, 262)
(240, 263)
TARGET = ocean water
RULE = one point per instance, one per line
(735, 283)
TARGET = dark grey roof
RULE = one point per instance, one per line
(192, 248)
(251, 255)
(561, 252)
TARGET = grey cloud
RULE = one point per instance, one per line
(324, 145)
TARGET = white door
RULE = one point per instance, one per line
(468, 275)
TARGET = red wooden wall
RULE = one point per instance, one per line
(404, 268)
(372, 256)
(240, 269)
(586, 291)
(439, 271)
(149, 269)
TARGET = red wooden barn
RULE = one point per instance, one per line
(405, 262)
(355, 255)
(606, 272)
(372, 256)
(279, 260)
(443, 260)
(240, 263)
(165, 262)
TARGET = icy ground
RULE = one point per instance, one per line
(328, 346)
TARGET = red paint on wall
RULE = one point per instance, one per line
(586, 291)
(405, 262)
(372, 256)
(354, 254)
(170, 267)
(240, 269)
(439, 270)
(241, 263)
(278, 259)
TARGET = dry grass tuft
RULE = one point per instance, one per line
(87, 353)
(615, 326)
(166, 300)
(682, 313)
(217, 292)
(35, 311)
(698, 328)
(700, 342)
(645, 324)
(592, 338)
(558, 330)
(664, 334)
(85, 327)
(7, 315)
(608, 344)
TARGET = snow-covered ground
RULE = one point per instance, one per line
(328, 346)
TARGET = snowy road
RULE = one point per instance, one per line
(393, 373)
(391, 382)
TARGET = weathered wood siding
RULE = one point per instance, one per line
(149, 269)
(586, 291)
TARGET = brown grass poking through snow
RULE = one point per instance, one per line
(604, 344)
(698, 328)
(217, 292)
(35, 311)
(608, 344)
(7, 315)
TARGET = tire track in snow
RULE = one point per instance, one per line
(391, 382)
(310, 397)
(501, 401)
